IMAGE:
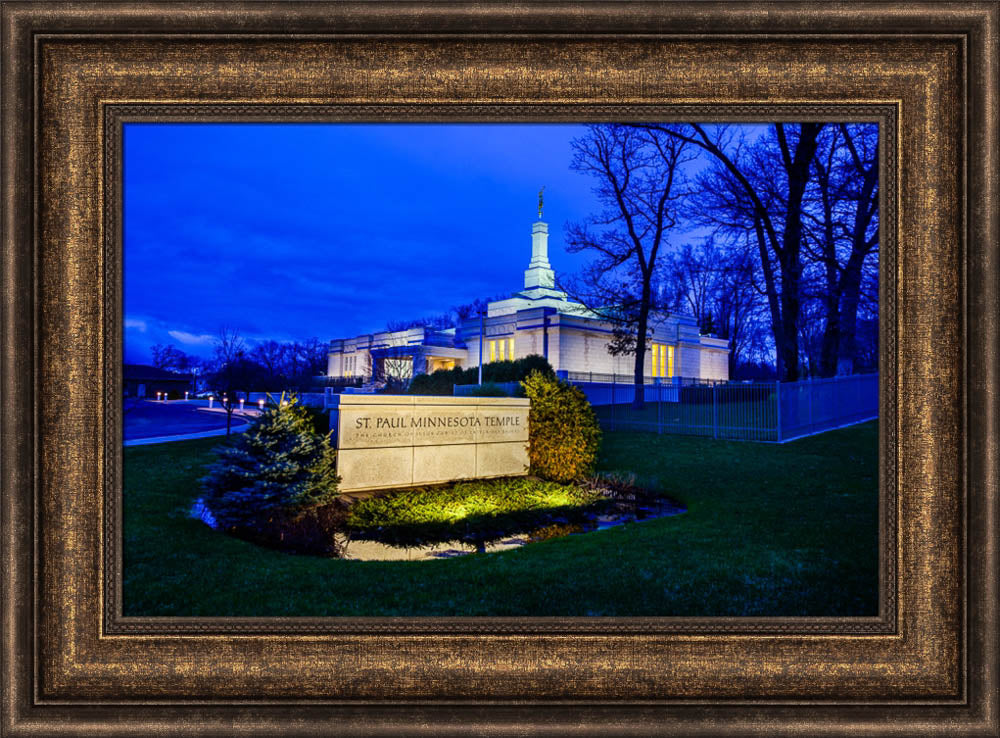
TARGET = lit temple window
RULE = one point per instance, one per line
(663, 360)
(510, 349)
(503, 344)
(493, 350)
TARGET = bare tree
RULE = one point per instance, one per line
(271, 356)
(716, 283)
(840, 243)
(763, 191)
(172, 359)
(230, 370)
(438, 322)
(313, 353)
(476, 307)
(638, 173)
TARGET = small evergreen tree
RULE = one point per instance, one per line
(279, 466)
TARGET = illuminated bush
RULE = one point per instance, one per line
(563, 430)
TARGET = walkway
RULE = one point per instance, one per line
(148, 422)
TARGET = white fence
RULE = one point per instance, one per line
(750, 411)
(817, 405)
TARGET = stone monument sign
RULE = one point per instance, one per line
(386, 441)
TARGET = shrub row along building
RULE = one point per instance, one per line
(539, 319)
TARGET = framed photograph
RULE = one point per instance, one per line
(464, 369)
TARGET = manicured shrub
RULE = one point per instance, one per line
(511, 371)
(320, 418)
(443, 381)
(318, 531)
(276, 471)
(563, 431)
(532, 363)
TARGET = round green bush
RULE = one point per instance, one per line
(563, 431)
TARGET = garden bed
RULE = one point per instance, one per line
(492, 515)
(441, 521)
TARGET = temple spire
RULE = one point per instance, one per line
(539, 272)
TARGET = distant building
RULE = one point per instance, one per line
(141, 380)
(539, 319)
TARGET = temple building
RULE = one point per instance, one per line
(539, 319)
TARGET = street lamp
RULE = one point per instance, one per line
(482, 320)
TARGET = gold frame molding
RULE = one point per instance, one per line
(72, 74)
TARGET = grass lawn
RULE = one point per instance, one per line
(770, 530)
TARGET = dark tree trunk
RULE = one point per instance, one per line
(639, 370)
(790, 310)
(851, 291)
(774, 305)
(797, 166)
(831, 338)
(831, 301)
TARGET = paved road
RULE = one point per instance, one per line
(149, 419)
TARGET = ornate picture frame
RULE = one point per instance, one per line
(74, 74)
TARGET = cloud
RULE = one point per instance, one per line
(139, 325)
(205, 339)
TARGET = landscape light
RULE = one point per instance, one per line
(185, 395)
(210, 398)
(260, 404)
(241, 403)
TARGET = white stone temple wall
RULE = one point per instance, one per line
(583, 351)
(333, 364)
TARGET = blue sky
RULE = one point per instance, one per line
(289, 231)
